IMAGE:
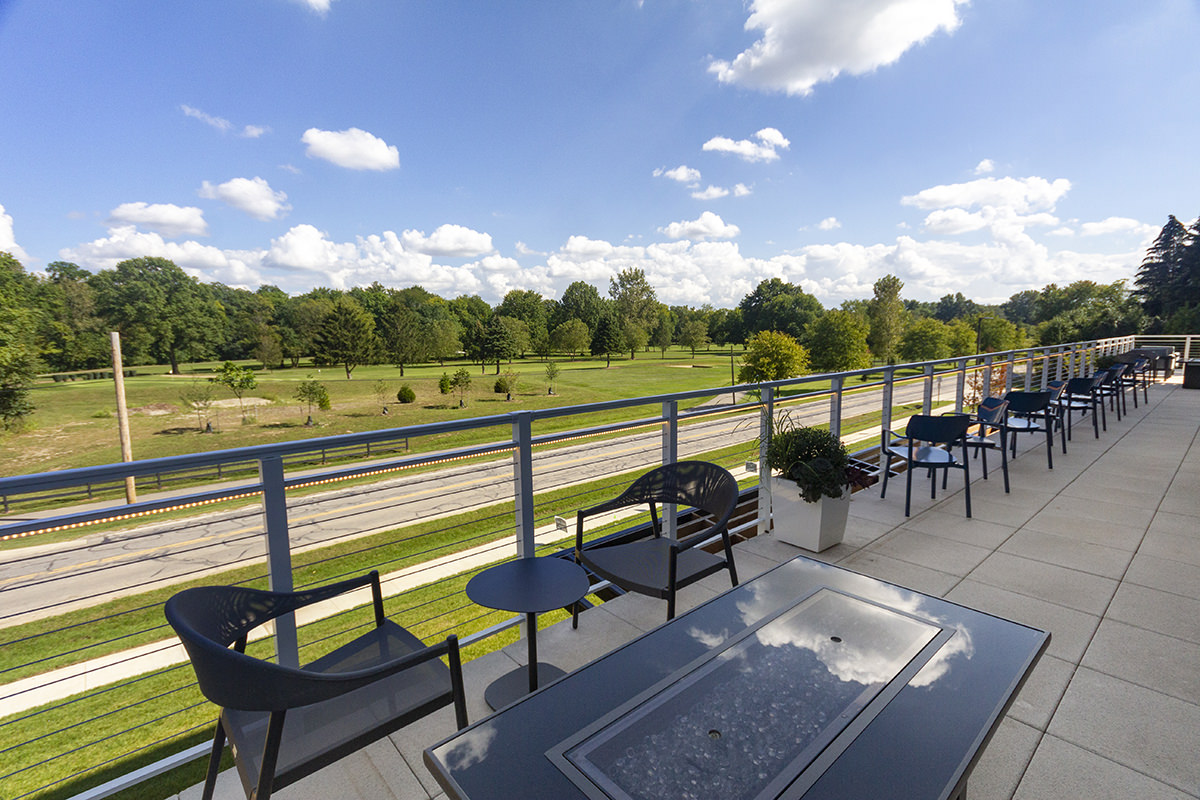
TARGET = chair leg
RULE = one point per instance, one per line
(885, 461)
(266, 775)
(1003, 459)
(214, 762)
(908, 490)
(966, 468)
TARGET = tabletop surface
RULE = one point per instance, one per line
(529, 585)
(906, 689)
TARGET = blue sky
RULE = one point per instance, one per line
(476, 147)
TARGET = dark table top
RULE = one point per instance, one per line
(529, 585)
(917, 737)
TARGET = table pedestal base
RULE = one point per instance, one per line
(515, 685)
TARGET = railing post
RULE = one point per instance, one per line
(885, 413)
(279, 554)
(522, 434)
(960, 388)
(1010, 371)
(1187, 347)
(835, 405)
(927, 390)
(985, 390)
(670, 454)
(765, 423)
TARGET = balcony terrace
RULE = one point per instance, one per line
(1103, 552)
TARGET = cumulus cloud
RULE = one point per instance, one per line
(449, 240)
(1022, 195)
(353, 149)
(682, 174)
(711, 193)
(829, 224)
(8, 241)
(741, 190)
(985, 167)
(166, 218)
(806, 42)
(252, 195)
(769, 141)
(1116, 225)
(319, 6)
(707, 226)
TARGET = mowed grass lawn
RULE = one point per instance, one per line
(75, 423)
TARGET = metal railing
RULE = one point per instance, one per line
(426, 521)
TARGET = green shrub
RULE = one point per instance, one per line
(406, 394)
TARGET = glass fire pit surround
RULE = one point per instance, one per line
(749, 720)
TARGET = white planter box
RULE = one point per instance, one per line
(812, 526)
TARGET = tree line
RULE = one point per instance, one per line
(58, 321)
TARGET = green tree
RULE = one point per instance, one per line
(571, 337)
(298, 321)
(1159, 279)
(885, 313)
(772, 356)
(633, 299)
(580, 301)
(403, 336)
(633, 337)
(72, 335)
(664, 330)
(607, 338)
(529, 307)
(925, 339)
(551, 375)
(955, 306)
(461, 383)
(313, 393)
(162, 313)
(839, 342)
(694, 335)
(776, 305)
(996, 334)
(347, 337)
(960, 338)
(238, 380)
(443, 338)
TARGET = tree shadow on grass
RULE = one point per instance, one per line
(278, 425)
(177, 431)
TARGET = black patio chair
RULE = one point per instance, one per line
(990, 418)
(285, 723)
(1111, 388)
(656, 565)
(1137, 375)
(928, 443)
(1034, 412)
(1082, 395)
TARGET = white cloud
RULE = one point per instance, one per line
(769, 141)
(707, 226)
(711, 193)
(1022, 195)
(682, 174)
(806, 42)
(222, 124)
(8, 241)
(319, 6)
(741, 190)
(219, 123)
(449, 240)
(252, 195)
(829, 224)
(304, 247)
(166, 218)
(353, 149)
(985, 167)
(1116, 225)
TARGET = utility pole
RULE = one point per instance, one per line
(123, 415)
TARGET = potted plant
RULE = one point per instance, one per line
(811, 476)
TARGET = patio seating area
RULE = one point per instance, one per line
(1102, 551)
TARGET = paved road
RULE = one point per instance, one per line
(37, 584)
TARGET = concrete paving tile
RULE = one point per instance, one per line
(1118, 490)
(1081, 591)
(1181, 501)
(1153, 660)
(997, 510)
(933, 552)
(599, 632)
(1070, 630)
(901, 573)
(1171, 546)
(1106, 533)
(377, 772)
(974, 531)
(1099, 507)
(749, 565)
(1169, 576)
(1002, 764)
(1144, 730)
(1155, 610)
(1042, 690)
(767, 547)
(1060, 769)
(1052, 549)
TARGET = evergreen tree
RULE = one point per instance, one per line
(1159, 281)
(347, 337)
(607, 338)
